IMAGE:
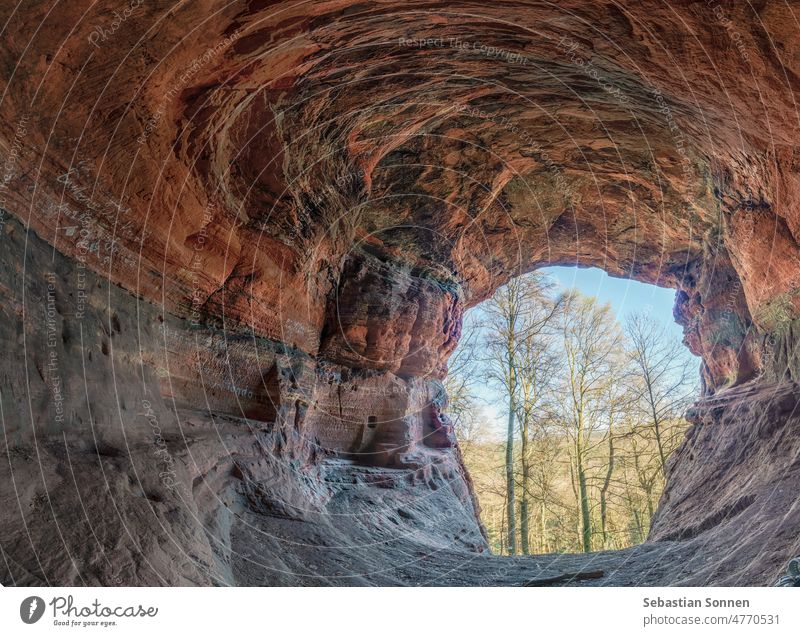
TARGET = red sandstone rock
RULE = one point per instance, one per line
(303, 198)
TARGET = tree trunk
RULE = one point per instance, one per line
(656, 428)
(543, 530)
(583, 491)
(604, 490)
(650, 509)
(511, 385)
(503, 538)
(586, 522)
(511, 503)
(639, 528)
(525, 504)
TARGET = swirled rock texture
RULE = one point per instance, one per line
(239, 239)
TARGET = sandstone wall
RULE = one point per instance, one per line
(257, 226)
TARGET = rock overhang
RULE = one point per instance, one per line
(322, 189)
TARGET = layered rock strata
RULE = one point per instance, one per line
(239, 240)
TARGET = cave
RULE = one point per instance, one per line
(233, 240)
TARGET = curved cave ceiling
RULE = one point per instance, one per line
(465, 141)
(342, 179)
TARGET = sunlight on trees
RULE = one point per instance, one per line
(592, 411)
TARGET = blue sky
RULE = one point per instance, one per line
(626, 296)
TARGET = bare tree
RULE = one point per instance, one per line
(665, 381)
(513, 312)
(617, 404)
(591, 415)
(537, 364)
(592, 341)
(545, 450)
(462, 371)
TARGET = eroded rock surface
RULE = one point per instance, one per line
(238, 241)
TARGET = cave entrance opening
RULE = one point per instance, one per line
(567, 393)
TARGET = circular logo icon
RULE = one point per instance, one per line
(31, 609)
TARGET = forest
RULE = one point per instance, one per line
(592, 407)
